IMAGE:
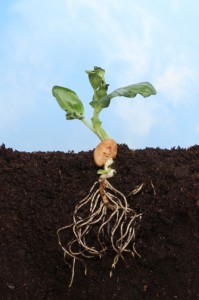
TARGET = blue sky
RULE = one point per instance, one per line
(46, 43)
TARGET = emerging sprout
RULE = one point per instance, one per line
(103, 219)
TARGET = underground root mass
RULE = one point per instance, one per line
(102, 221)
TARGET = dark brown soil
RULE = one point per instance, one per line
(38, 192)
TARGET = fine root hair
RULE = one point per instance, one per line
(102, 221)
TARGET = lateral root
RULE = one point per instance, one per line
(102, 220)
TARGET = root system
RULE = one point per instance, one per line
(102, 221)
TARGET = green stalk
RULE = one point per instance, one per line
(100, 132)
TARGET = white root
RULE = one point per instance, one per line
(102, 220)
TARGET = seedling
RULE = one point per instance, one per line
(103, 219)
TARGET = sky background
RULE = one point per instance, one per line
(52, 42)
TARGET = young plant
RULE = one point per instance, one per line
(104, 213)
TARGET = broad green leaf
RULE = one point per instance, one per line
(69, 102)
(144, 88)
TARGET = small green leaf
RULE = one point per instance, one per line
(96, 77)
(144, 88)
(101, 92)
(69, 102)
(95, 80)
(94, 104)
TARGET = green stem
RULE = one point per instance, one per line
(88, 125)
(100, 132)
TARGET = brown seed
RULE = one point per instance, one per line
(105, 150)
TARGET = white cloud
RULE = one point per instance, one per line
(124, 33)
(136, 117)
(121, 41)
(52, 39)
(139, 116)
(26, 62)
(43, 28)
(177, 84)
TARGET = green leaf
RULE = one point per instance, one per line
(69, 102)
(101, 92)
(96, 77)
(95, 80)
(95, 104)
(144, 88)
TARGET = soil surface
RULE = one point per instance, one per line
(38, 193)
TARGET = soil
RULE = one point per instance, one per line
(38, 193)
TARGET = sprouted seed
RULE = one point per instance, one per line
(103, 220)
